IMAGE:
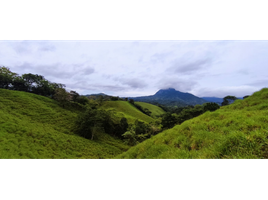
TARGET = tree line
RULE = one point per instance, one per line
(37, 84)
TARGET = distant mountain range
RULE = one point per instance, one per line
(168, 97)
(171, 97)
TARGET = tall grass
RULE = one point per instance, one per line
(156, 111)
(33, 126)
(127, 110)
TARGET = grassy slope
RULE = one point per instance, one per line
(156, 111)
(126, 110)
(239, 130)
(33, 126)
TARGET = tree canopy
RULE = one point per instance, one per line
(228, 100)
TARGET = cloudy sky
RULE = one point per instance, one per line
(138, 68)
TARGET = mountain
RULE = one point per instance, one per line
(171, 97)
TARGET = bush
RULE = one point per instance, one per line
(130, 137)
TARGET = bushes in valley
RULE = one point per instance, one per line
(179, 115)
(140, 131)
(93, 122)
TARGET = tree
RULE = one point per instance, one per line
(91, 123)
(82, 100)
(147, 111)
(197, 110)
(7, 78)
(168, 120)
(211, 106)
(19, 84)
(100, 99)
(228, 100)
(114, 98)
(130, 137)
(123, 125)
(131, 101)
(62, 96)
(74, 95)
(32, 81)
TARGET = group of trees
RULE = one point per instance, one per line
(180, 115)
(140, 131)
(93, 121)
(37, 84)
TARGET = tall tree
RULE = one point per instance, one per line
(131, 101)
(7, 78)
(228, 100)
(74, 95)
(62, 96)
(91, 122)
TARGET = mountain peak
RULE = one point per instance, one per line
(169, 89)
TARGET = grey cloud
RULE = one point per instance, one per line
(160, 57)
(57, 70)
(185, 68)
(132, 82)
(260, 83)
(238, 91)
(243, 71)
(88, 70)
(22, 47)
(135, 83)
(176, 83)
(107, 76)
(95, 87)
(47, 48)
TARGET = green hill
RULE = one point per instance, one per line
(126, 110)
(239, 130)
(33, 126)
(156, 111)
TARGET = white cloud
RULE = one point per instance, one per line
(143, 67)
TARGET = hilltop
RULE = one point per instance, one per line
(127, 110)
(239, 130)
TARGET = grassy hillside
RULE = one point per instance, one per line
(239, 130)
(156, 111)
(127, 110)
(33, 126)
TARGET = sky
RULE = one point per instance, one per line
(140, 68)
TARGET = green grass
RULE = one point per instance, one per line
(127, 110)
(239, 130)
(33, 126)
(156, 111)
